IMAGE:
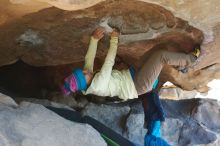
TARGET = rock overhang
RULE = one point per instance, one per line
(53, 37)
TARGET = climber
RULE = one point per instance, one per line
(125, 84)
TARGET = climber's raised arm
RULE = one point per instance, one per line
(103, 80)
(90, 55)
(109, 62)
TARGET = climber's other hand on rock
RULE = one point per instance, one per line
(115, 33)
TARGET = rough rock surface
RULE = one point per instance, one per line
(106, 114)
(32, 124)
(10, 12)
(202, 114)
(193, 130)
(175, 93)
(189, 122)
(196, 12)
(47, 37)
(193, 80)
(62, 4)
(55, 37)
(134, 125)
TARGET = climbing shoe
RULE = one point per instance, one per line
(196, 52)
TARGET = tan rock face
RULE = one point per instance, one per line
(47, 37)
(63, 4)
(193, 80)
(19, 9)
(54, 37)
(205, 16)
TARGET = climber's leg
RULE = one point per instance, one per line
(150, 70)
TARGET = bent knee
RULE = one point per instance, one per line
(161, 55)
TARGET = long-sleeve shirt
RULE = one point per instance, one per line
(109, 82)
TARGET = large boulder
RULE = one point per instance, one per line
(32, 124)
(208, 113)
(54, 37)
(188, 122)
(135, 130)
(107, 114)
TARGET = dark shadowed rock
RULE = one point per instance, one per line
(135, 123)
(183, 125)
(113, 117)
(208, 114)
(135, 131)
(171, 130)
(194, 133)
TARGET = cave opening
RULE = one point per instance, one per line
(23, 80)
